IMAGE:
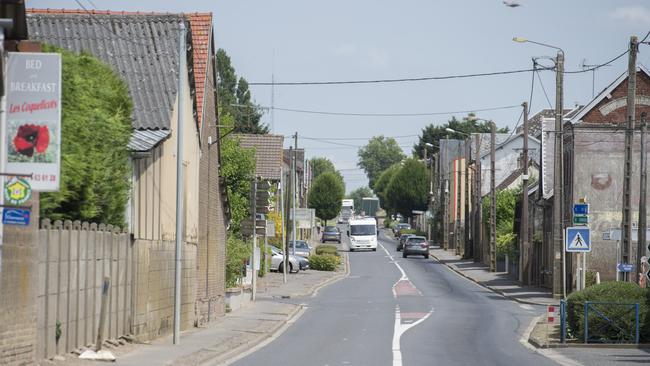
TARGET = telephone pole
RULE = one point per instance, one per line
(640, 249)
(468, 248)
(478, 208)
(559, 259)
(458, 188)
(524, 267)
(293, 187)
(493, 200)
(626, 225)
(445, 197)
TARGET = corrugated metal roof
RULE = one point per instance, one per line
(145, 140)
(141, 48)
(268, 153)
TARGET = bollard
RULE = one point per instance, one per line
(102, 313)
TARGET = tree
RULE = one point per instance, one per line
(237, 169)
(381, 188)
(432, 134)
(235, 98)
(378, 155)
(325, 196)
(321, 165)
(408, 189)
(95, 132)
(357, 195)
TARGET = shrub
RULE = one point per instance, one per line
(323, 262)
(615, 292)
(237, 253)
(327, 249)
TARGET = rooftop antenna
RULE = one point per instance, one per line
(585, 66)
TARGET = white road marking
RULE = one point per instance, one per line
(526, 307)
(399, 330)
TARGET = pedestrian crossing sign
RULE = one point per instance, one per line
(578, 239)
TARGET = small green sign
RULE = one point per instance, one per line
(581, 220)
(17, 191)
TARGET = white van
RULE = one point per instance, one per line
(363, 234)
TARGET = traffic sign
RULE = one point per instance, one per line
(582, 220)
(578, 239)
(15, 216)
(581, 209)
(624, 267)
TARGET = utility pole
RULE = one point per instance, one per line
(179, 183)
(458, 188)
(445, 192)
(524, 267)
(641, 249)
(493, 200)
(559, 259)
(626, 225)
(293, 187)
(285, 262)
(468, 248)
(478, 208)
(426, 222)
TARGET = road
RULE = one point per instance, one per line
(396, 311)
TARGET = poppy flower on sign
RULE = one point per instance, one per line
(31, 137)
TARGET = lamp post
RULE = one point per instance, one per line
(559, 282)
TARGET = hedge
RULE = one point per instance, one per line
(327, 249)
(616, 292)
(323, 262)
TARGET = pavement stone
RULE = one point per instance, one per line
(230, 335)
(497, 282)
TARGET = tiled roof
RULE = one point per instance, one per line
(484, 142)
(141, 47)
(268, 153)
(535, 122)
(201, 26)
(300, 158)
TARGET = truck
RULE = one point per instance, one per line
(347, 211)
(369, 206)
(363, 234)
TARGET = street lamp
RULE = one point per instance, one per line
(558, 178)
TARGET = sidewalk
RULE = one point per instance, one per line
(497, 282)
(232, 335)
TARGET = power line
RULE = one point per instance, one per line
(359, 138)
(544, 90)
(398, 80)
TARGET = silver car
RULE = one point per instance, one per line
(302, 248)
(277, 259)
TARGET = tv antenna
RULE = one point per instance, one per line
(584, 65)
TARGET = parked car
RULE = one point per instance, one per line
(277, 261)
(303, 263)
(402, 239)
(401, 227)
(416, 245)
(331, 233)
(302, 249)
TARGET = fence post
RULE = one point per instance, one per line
(636, 320)
(586, 321)
(102, 313)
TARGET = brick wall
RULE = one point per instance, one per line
(153, 293)
(619, 114)
(211, 251)
(18, 285)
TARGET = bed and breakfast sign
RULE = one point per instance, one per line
(32, 132)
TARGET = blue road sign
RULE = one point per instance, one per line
(15, 216)
(578, 239)
(581, 209)
(625, 267)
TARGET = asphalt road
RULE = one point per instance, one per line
(394, 311)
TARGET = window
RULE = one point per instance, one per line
(363, 230)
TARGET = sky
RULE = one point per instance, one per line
(298, 40)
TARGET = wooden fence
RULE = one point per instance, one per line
(73, 259)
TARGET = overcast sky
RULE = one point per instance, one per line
(303, 40)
